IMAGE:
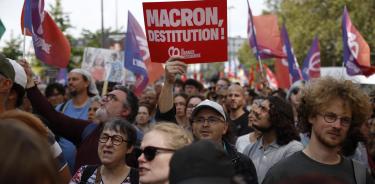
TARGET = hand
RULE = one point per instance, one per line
(29, 73)
(174, 67)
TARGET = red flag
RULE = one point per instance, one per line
(155, 71)
(356, 49)
(282, 73)
(271, 79)
(268, 36)
(50, 44)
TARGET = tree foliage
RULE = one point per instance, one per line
(247, 58)
(306, 18)
(12, 48)
(60, 17)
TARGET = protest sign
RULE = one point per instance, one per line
(104, 64)
(196, 30)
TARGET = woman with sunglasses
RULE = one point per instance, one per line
(116, 141)
(294, 96)
(157, 148)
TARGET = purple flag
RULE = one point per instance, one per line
(311, 64)
(356, 50)
(50, 44)
(251, 32)
(294, 71)
(136, 53)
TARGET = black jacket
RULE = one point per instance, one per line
(243, 165)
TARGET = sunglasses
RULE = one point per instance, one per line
(295, 91)
(150, 152)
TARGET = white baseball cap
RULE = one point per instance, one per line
(209, 104)
(20, 77)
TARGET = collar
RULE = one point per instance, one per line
(272, 145)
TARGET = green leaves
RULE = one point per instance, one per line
(306, 18)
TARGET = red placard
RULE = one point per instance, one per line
(196, 30)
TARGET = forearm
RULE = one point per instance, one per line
(57, 122)
(165, 101)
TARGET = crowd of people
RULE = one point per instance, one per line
(318, 131)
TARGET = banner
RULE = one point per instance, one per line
(356, 50)
(50, 45)
(196, 30)
(2, 29)
(294, 71)
(311, 65)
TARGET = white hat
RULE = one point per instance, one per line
(209, 104)
(20, 77)
(92, 87)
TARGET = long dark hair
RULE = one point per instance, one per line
(281, 118)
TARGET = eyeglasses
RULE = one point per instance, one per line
(115, 139)
(109, 97)
(330, 117)
(210, 120)
(150, 152)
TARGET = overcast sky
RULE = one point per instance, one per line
(85, 14)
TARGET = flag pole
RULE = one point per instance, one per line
(24, 44)
(255, 40)
(105, 87)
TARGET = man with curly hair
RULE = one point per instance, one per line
(330, 111)
(274, 119)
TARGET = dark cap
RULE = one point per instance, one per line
(194, 83)
(6, 69)
(202, 162)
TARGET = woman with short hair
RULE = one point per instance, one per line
(157, 148)
(116, 141)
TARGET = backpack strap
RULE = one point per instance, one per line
(89, 170)
(62, 107)
(359, 172)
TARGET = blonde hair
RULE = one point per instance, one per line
(176, 136)
(318, 94)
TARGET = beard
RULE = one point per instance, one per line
(327, 142)
(101, 114)
(73, 93)
(262, 129)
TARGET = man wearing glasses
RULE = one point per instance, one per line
(119, 103)
(209, 121)
(330, 110)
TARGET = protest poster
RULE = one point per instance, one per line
(196, 30)
(104, 64)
